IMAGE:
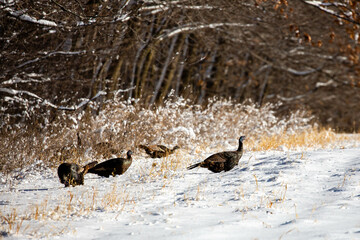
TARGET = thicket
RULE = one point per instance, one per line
(57, 55)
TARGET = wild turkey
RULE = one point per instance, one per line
(115, 166)
(72, 174)
(223, 161)
(158, 151)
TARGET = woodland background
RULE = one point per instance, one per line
(59, 56)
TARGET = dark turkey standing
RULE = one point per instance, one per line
(115, 166)
(223, 161)
(72, 174)
(158, 151)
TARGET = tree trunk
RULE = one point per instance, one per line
(164, 70)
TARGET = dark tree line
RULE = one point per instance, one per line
(59, 55)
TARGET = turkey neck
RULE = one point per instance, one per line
(240, 148)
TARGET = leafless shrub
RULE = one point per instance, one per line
(123, 125)
(266, 51)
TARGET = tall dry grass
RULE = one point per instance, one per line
(123, 125)
(312, 138)
(43, 214)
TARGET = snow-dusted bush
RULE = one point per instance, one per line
(123, 125)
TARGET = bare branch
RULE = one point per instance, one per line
(24, 17)
(67, 10)
(19, 92)
(123, 90)
(198, 26)
(299, 72)
(323, 7)
(49, 104)
(317, 86)
(49, 55)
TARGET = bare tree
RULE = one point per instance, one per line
(59, 54)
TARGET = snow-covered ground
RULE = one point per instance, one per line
(312, 194)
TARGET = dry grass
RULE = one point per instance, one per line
(122, 126)
(276, 198)
(313, 138)
(72, 205)
(12, 221)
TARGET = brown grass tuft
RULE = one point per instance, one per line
(313, 138)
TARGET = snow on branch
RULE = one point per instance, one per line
(123, 90)
(49, 55)
(24, 17)
(83, 103)
(288, 69)
(16, 80)
(328, 83)
(47, 103)
(290, 99)
(324, 6)
(300, 73)
(298, 97)
(194, 27)
(164, 7)
(21, 92)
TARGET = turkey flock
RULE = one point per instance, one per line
(73, 174)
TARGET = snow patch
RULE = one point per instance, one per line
(268, 196)
(188, 131)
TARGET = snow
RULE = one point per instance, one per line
(15, 92)
(198, 26)
(21, 15)
(305, 194)
(188, 131)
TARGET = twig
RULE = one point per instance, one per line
(67, 10)
(24, 17)
(317, 5)
(47, 103)
(197, 26)
(49, 55)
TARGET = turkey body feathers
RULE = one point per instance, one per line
(223, 161)
(158, 151)
(73, 174)
(115, 166)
